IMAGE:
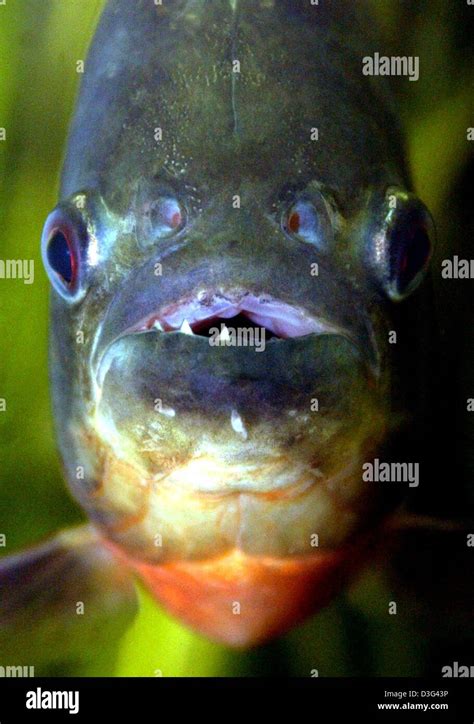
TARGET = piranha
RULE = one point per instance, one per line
(229, 167)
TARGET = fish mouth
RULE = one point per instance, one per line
(196, 315)
(206, 311)
(199, 314)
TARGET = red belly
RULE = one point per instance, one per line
(242, 600)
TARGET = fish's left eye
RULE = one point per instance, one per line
(60, 249)
(61, 257)
(403, 245)
(410, 252)
(307, 219)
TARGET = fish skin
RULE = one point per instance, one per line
(171, 65)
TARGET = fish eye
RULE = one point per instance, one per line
(404, 244)
(307, 219)
(60, 252)
(411, 248)
(161, 218)
(60, 257)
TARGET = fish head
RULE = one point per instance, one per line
(228, 257)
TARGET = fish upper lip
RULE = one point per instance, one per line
(282, 319)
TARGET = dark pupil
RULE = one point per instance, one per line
(59, 257)
(414, 250)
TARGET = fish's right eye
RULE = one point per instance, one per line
(60, 251)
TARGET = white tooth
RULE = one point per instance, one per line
(238, 424)
(224, 334)
(157, 325)
(186, 328)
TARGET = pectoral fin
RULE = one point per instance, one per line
(64, 605)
